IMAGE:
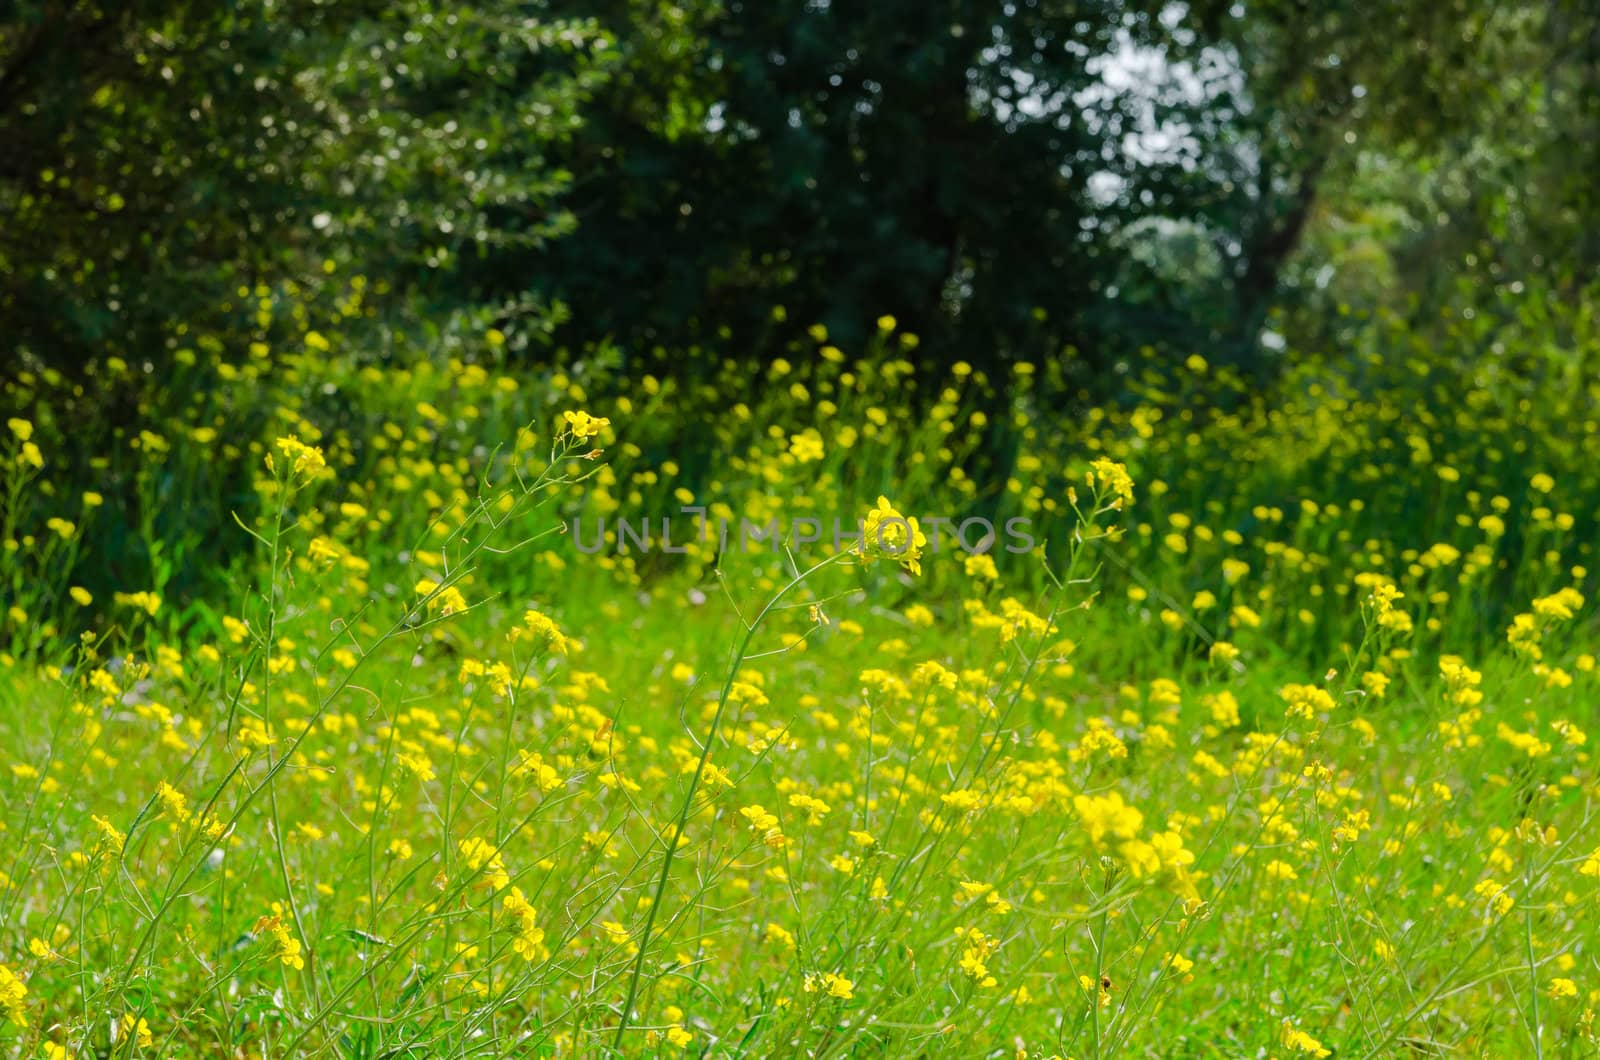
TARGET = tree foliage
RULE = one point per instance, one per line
(1045, 179)
(163, 155)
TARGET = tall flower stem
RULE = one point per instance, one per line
(687, 809)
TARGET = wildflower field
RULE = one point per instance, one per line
(1001, 529)
(1271, 744)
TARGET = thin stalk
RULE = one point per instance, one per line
(687, 809)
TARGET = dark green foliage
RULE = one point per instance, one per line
(1065, 180)
(846, 160)
(163, 157)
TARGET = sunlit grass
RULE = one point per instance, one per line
(1254, 754)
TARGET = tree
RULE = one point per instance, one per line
(928, 160)
(162, 155)
(1380, 147)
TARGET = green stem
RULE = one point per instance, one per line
(694, 784)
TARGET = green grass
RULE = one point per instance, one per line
(376, 843)
(370, 760)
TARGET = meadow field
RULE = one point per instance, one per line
(909, 529)
(1271, 744)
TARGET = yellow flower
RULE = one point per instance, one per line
(1107, 815)
(981, 566)
(147, 602)
(529, 943)
(1563, 988)
(285, 947)
(480, 854)
(886, 532)
(446, 600)
(1560, 605)
(1304, 701)
(1113, 482)
(111, 838)
(1500, 900)
(1523, 636)
(305, 461)
(806, 446)
(138, 1028)
(543, 627)
(582, 426)
(759, 819)
(834, 986)
(417, 765)
(781, 935)
(1281, 870)
(1099, 990)
(1388, 616)
(13, 994)
(1293, 1038)
(532, 764)
(975, 955)
(173, 801)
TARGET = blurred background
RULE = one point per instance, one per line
(1267, 253)
(1012, 178)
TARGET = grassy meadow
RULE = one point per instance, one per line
(1273, 744)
